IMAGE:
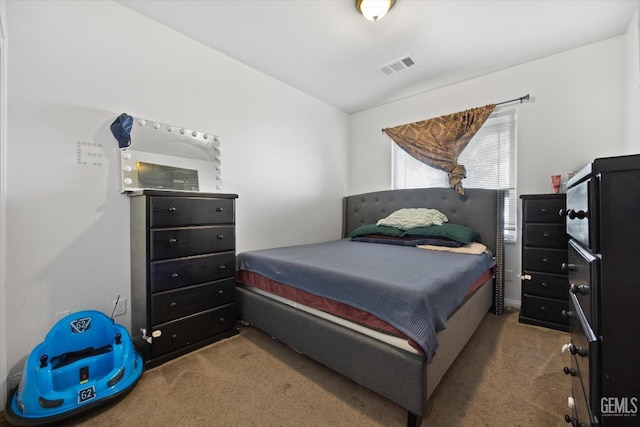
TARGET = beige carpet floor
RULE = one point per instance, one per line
(509, 374)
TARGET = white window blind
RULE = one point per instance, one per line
(490, 161)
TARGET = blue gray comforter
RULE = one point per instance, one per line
(415, 290)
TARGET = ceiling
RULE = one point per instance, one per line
(328, 50)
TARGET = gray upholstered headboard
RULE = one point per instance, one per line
(477, 209)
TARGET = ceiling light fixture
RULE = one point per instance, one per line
(374, 9)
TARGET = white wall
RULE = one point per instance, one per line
(3, 202)
(73, 67)
(632, 87)
(577, 115)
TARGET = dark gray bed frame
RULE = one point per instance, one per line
(402, 377)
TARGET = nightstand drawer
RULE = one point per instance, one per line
(546, 309)
(171, 305)
(545, 260)
(181, 272)
(180, 211)
(546, 285)
(189, 330)
(181, 242)
(543, 210)
(546, 235)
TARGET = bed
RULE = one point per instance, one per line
(396, 363)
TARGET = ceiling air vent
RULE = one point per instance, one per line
(397, 65)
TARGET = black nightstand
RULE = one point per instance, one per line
(545, 286)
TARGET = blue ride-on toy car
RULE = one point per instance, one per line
(85, 360)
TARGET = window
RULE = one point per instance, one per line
(490, 161)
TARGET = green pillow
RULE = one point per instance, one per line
(457, 232)
(366, 229)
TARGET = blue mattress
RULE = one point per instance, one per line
(412, 289)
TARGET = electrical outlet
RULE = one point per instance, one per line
(121, 307)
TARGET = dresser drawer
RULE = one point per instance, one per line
(189, 330)
(545, 260)
(546, 235)
(582, 414)
(545, 309)
(584, 348)
(546, 285)
(171, 305)
(582, 216)
(581, 410)
(181, 242)
(181, 211)
(583, 277)
(181, 272)
(543, 210)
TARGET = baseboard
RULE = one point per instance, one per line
(513, 304)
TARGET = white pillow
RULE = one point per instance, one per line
(413, 217)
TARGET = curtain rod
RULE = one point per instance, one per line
(521, 99)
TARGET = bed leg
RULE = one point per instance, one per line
(413, 420)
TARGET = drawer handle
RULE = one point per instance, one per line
(578, 350)
(221, 319)
(582, 289)
(173, 241)
(222, 267)
(545, 260)
(220, 292)
(174, 336)
(568, 314)
(220, 236)
(174, 275)
(543, 284)
(568, 267)
(172, 304)
(569, 371)
(545, 234)
(543, 210)
(572, 214)
(543, 308)
(219, 209)
(172, 209)
(573, 421)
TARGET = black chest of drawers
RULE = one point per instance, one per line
(544, 252)
(182, 271)
(603, 209)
